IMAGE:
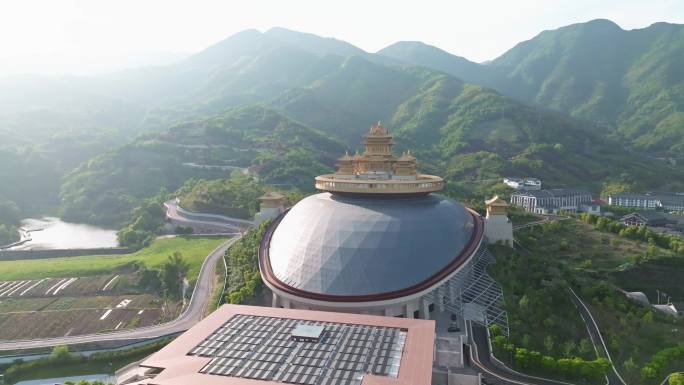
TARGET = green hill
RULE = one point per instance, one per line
(105, 189)
(630, 84)
(633, 80)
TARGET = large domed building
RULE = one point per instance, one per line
(378, 239)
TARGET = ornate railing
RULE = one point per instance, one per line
(422, 184)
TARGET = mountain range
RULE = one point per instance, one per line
(588, 105)
(628, 83)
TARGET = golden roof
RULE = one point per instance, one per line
(345, 157)
(406, 157)
(271, 195)
(378, 130)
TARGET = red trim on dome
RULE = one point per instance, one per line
(460, 259)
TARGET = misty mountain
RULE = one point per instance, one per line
(331, 92)
(628, 83)
(421, 54)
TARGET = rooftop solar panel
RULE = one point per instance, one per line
(261, 348)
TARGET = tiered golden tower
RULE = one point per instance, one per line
(377, 170)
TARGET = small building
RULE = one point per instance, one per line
(272, 204)
(668, 309)
(551, 201)
(647, 218)
(648, 201)
(252, 345)
(593, 207)
(638, 297)
(498, 228)
(523, 183)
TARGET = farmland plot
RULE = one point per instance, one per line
(52, 307)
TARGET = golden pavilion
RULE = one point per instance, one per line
(378, 170)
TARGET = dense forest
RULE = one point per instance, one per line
(234, 197)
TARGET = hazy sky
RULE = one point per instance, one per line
(60, 36)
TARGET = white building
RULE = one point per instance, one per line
(498, 228)
(272, 205)
(523, 183)
(651, 201)
(552, 201)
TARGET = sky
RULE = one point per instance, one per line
(92, 36)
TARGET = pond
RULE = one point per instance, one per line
(53, 233)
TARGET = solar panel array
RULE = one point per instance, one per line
(260, 348)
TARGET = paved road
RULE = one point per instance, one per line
(176, 213)
(614, 377)
(201, 297)
(480, 357)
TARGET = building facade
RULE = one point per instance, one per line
(551, 201)
(651, 201)
(649, 218)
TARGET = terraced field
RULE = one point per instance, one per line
(81, 295)
(51, 307)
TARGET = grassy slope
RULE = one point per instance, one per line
(193, 249)
(591, 258)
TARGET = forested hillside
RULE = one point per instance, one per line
(280, 150)
(628, 84)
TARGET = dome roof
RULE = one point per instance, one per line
(340, 246)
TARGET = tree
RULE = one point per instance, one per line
(676, 379)
(522, 357)
(630, 366)
(173, 272)
(585, 346)
(149, 279)
(549, 343)
(569, 348)
(648, 318)
(649, 372)
(526, 340)
(60, 353)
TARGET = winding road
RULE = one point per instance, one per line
(193, 313)
(176, 213)
(613, 376)
(480, 357)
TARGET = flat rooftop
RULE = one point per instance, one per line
(251, 345)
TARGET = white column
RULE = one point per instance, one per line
(424, 309)
(274, 301)
(407, 312)
(452, 292)
(440, 298)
